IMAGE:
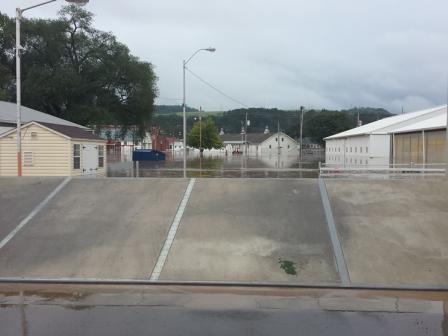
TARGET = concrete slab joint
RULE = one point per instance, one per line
(34, 212)
(172, 233)
(335, 242)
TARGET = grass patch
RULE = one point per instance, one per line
(288, 266)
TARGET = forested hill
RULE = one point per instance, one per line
(167, 109)
(317, 124)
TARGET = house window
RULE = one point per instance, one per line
(356, 149)
(282, 139)
(288, 146)
(28, 159)
(101, 156)
(350, 149)
(269, 146)
(76, 156)
(360, 149)
(367, 149)
(276, 140)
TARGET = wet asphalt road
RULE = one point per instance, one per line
(217, 311)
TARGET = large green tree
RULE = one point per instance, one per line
(74, 71)
(204, 135)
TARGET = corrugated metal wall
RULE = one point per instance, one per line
(408, 147)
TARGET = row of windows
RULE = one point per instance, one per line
(353, 161)
(352, 149)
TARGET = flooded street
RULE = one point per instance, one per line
(216, 164)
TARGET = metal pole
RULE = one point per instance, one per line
(184, 114)
(18, 93)
(301, 131)
(245, 135)
(278, 138)
(446, 131)
(200, 130)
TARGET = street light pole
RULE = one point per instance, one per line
(200, 131)
(184, 113)
(18, 93)
(19, 15)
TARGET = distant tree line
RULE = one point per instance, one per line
(74, 71)
(317, 124)
(167, 109)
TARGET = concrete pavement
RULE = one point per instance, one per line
(18, 197)
(246, 229)
(96, 228)
(393, 232)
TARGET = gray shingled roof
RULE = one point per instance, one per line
(8, 115)
(73, 132)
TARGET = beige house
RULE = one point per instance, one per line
(53, 150)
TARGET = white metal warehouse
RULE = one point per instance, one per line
(412, 138)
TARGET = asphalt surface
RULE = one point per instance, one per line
(18, 197)
(246, 230)
(96, 228)
(67, 310)
(393, 232)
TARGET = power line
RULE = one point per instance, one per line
(216, 89)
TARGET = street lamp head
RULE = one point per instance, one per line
(210, 49)
(78, 2)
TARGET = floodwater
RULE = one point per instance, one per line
(216, 164)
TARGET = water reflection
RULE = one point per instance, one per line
(215, 164)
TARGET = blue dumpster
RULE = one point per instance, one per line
(147, 155)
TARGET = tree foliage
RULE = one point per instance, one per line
(76, 72)
(204, 135)
(317, 124)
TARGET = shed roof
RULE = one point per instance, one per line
(73, 132)
(388, 124)
(4, 129)
(8, 114)
(67, 131)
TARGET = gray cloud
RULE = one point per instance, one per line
(286, 53)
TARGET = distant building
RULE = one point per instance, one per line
(259, 143)
(53, 150)
(418, 137)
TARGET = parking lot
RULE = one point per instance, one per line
(371, 233)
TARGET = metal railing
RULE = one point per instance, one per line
(334, 169)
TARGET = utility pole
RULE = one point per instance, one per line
(200, 131)
(446, 131)
(301, 131)
(278, 136)
(245, 135)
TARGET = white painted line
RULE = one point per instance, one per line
(172, 233)
(335, 242)
(33, 213)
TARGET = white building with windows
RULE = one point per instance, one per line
(259, 143)
(416, 137)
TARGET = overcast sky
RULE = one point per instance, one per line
(284, 53)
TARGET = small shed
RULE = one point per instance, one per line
(53, 150)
